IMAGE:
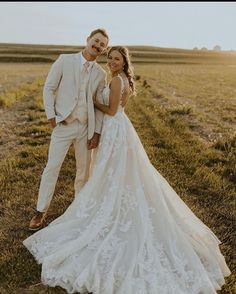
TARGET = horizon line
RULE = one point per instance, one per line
(203, 48)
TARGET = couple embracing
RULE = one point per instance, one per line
(126, 231)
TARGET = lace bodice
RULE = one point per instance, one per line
(106, 93)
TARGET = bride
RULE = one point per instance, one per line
(127, 231)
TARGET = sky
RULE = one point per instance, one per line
(163, 24)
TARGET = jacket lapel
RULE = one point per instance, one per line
(92, 77)
(77, 65)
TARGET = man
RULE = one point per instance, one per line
(68, 93)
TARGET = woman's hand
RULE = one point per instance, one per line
(53, 122)
(93, 143)
(94, 99)
(94, 103)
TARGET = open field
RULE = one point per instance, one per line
(204, 95)
(140, 54)
(14, 75)
(185, 115)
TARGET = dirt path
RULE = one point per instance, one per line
(11, 121)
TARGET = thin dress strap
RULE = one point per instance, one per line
(122, 85)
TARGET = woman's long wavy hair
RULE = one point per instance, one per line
(128, 68)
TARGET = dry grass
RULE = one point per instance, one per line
(173, 125)
(12, 75)
(204, 95)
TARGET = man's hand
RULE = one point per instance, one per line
(53, 122)
(93, 143)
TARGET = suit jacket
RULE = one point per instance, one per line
(61, 90)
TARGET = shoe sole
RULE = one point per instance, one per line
(35, 229)
(38, 228)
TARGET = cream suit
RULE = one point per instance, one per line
(61, 94)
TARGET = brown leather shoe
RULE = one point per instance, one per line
(37, 220)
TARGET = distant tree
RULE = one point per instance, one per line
(195, 48)
(217, 48)
(204, 49)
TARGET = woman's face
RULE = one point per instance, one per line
(115, 61)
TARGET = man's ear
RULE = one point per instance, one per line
(88, 38)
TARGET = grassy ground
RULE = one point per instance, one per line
(13, 75)
(179, 115)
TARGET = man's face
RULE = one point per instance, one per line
(96, 44)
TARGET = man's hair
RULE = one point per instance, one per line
(102, 31)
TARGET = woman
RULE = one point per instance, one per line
(127, 231)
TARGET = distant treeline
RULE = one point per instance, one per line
(139, 54)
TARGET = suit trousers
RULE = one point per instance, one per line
(61, 139)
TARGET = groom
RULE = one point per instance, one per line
(68, 93)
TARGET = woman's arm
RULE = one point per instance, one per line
(114, 98)
(99, 114)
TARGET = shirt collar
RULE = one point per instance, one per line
(83, 60)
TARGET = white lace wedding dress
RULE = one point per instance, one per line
(127, 231)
